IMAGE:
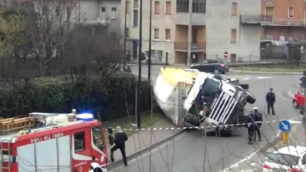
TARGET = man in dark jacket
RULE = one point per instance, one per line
(270, 99)
(258, 121)
(120, 139)
(251, 127)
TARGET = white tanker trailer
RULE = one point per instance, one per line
(192, 98)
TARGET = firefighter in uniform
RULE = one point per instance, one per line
(254, 124)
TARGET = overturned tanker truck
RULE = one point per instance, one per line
(198, 99)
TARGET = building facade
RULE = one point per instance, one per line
(193, 29)
(95, 13)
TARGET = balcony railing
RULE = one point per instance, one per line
(270, 20)
(199, 46)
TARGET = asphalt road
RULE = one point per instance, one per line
(193, 151)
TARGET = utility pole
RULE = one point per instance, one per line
(303, 107)
(189, 35)
(150, 45)
(139, 69)
(124, 32)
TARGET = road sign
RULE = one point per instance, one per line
(285, 137)
(284, 126)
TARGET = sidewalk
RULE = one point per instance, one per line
(296, 137)
(145, 140)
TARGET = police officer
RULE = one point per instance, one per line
(270, 99)
(258, 121)
(251, 127)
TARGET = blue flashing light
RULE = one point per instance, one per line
(85, 117)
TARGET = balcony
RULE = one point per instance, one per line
(250, 19)
(271, 21)
(195, 47)
(94, 22)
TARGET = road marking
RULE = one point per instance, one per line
(264, 77)
(245, 159)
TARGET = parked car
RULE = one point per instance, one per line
(288, 158)
(299, 98)
(211, 66)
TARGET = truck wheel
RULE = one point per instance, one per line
(216, 71)
(295, 104)
(250, 98)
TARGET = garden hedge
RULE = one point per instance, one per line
(107, 98)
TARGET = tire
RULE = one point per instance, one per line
(216, 71)
(250, 98)
(295, 104)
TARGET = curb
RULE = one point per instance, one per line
(132, 156)
(263, 72)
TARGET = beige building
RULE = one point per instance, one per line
(103, 13)
(192, 29)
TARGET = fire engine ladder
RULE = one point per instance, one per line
(2, 155)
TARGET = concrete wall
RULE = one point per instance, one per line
(90, 10)
(218, 29)
(160, 21)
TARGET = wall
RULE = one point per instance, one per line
(160, 21)
(218, 29)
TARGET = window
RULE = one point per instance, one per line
(290, 12)
(135, 3)
(234, 9)
(103, 10)
(269, 13)
(168, 36)
(156, 33)
(233, 36)
(199, 6)
(79, 142)
(127, 7)
(156, 7)
(283, 159)
(114, 12)
(182, 6)
(97, 137)
(168, 7)
(135, 18)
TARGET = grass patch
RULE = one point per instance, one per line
(125, 122)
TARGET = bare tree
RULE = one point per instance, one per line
(46, 24)
(92, 49)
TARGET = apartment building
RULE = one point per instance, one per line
(193, 29)
(283, 20)
(95, 13)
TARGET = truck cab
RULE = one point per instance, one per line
(69, 146)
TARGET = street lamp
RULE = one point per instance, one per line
(139, 68)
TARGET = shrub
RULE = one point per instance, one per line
(107, 98)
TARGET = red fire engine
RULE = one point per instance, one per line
(67, 146)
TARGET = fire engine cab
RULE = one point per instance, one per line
(62, 143)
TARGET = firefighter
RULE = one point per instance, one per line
(270, 99)
(251, 128)
(120, 139)
(258, 121)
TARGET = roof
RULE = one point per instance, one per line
(292, 150)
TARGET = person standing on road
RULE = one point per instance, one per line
(251, 127)
(120, 139)
(258, 121)
(270, 99)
